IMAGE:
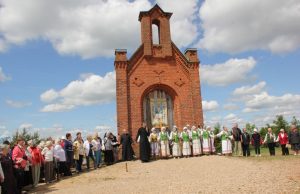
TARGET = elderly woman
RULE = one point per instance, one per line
(270, 140)
(226, 138)
(49, 167)
(20, 160)
(108, 153)
(8, 179)
(60, 157)
(283, 140)
(97, 144)
(36, 162)
(89, 149)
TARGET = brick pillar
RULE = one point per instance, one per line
(165, 36)
(121, 64)
(192, 56)
(146, 35)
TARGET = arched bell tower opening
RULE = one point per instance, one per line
(155, 32)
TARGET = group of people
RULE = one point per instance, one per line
(196, 141)
(27, 163)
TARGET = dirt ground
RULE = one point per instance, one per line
(206, 174)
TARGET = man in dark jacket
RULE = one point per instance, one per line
(294, 139)
(237, 135)
(245, 142)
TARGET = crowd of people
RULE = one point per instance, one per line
(196, 141)
(28, 163)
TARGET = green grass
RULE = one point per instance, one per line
(265, 155)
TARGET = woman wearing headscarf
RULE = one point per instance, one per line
(195, 136)
(175, 139)
(186, 148)
(164, 143)
(153, 139)
(226, 138)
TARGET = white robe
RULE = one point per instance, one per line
(175, 146)
(226, 144)
(164, 146)
(196, 145)
(186, 147)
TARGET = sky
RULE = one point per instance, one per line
(57, 60)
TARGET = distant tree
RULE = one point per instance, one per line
(280, 123)
(296, 122)
(25, 135)
(218, 143)
(250, 127)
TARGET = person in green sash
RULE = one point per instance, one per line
(186, 148)
(206, 141)
(164, 143)
(270, 140)
(195, 136)
(226, 138)
(174, 137)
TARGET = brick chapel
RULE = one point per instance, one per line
(158, 84)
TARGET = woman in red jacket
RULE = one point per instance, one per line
(283, 140)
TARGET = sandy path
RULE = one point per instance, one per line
(213, 174)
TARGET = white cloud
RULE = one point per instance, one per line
(231, 106)
(49, 96)
(26, 126)
(183, 26)
(264, 100)
(210, 105)
(248, 110)
(3, 77)
(231, 118)
(232, 71)
(236, 26)
(88, 28)
(250, 90)
(17, 104)
(94, 89)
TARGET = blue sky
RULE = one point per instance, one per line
(56, 60)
